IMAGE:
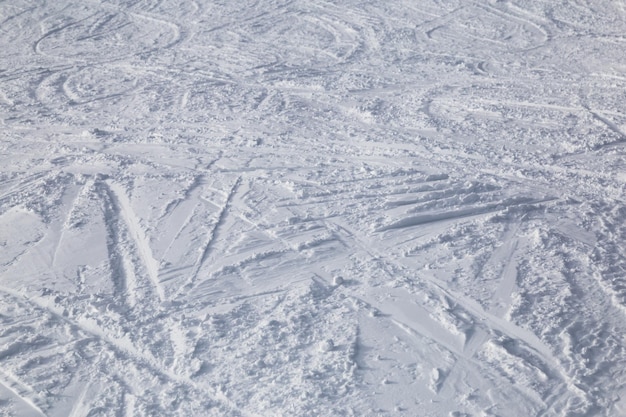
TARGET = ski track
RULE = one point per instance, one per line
(295, 208)
(213, 235)
(492, 324)
(21, 392)
(150, 264)
(124, 347)
(122, 269)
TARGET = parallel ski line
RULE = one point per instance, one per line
(119, 345)
(506, 253)
(142, 242)
(62, 225)
(122, 274)
(212, 236)
(22, 186)
(491, 321)
(611, 126)
(24, 399)
(79, 408)
(436, 217)
(508, 276)
(174, 27)
(512, 330)
(172, 205)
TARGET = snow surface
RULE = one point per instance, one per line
(312, 208)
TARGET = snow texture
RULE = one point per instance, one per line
(312, 208)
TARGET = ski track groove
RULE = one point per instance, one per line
(22, 186)
(121, 347)
(188, 194)
(213, 235)
(364, 55)
(508, 273)
(16, 15)
(37, 44)
(79, 407)
(510, 16)
(21, 396)
(142, 243)
(62, 225)
(493, 322)
(612, 127)
(508, 277)
(424, 219)
(176, 36)
(514, 332)
(122, 274)
(175, 28)
(186, 222)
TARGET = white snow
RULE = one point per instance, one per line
(300, 208)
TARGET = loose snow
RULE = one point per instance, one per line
(312, 208)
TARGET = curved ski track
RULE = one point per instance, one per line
(288, 207)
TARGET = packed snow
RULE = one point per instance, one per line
(312, 208)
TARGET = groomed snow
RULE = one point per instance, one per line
(312, 208)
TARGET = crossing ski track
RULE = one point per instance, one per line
(287, 207)
(139, 237)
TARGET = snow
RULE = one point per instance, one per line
(298, 208)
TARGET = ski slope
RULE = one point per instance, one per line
(312, 208)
